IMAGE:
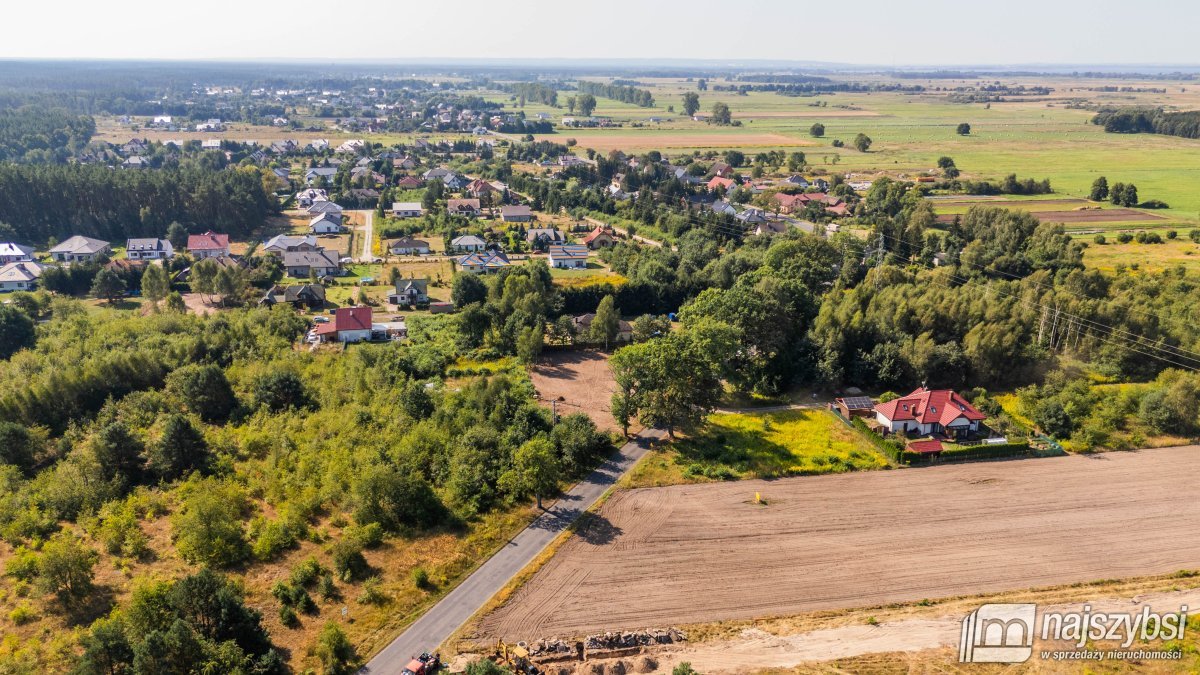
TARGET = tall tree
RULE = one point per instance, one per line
(862, 142)
(606, 325)
(16, 331)
(817, 130)
(155, 284)
(535, 470)
(721, 113)
(691, 103)
(179, 450)
(1099, 191)
(586, 104)
(108, 285)
(963, 129)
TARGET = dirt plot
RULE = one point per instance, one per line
(703, 553)
(1083, 216)
(1027, 205)
(582, 379)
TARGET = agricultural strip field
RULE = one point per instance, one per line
(705, 553)
(1083, 216)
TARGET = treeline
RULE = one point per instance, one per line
(40, 202)
(1150, 121)
(34, 133)
(617, 92)
(532, 91)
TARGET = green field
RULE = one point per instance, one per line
(761, 445)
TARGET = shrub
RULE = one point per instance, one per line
(348, 561)
(1100, 239)
(366, 536)
(307, 572)
(420, 578)
(23, 564)
(22, 614)
(326, 588)
(372, 592)
(1124, 237)
(335, 652)
(287, 616)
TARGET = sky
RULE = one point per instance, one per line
(871, 32)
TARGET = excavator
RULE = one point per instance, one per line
(515, 658)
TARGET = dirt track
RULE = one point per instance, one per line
(702, 553)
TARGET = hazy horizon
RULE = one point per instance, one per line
(924, 33)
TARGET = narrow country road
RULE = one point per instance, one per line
(452, 611)
(368, 234)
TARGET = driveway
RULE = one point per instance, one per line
(449, 614)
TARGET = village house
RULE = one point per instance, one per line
(927, 412)
(516, 213)
(10, 253)
(438, 173)
(770, 227)
(541, 237)
(410, 292)
(484, 262)
(19, 276)
(208, 245)
(311, 296)
(599, 238)
(149, 249)
(326, 223)
(319, 173)
(407, 209)
(281, 243)
(79, 249)
(569, 257)
(409, 183)
(408, 246)
(721, 183)
(321, 263)
(323, 206)
(480, 188)
(463, 207)
(721, 169)
(583, 325)
(752, 216)
(350, 324)
(467, 243)
(306, 198)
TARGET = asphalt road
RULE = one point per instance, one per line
(452, 611)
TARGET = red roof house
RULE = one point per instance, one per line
(721, 182)
(930, 411)
(350, 324)
(599, 238)
(208, 245)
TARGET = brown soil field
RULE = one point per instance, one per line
(1028, 205)
(582, 379)
(1088, 216)
(703, 553)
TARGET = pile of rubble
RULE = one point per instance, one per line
(630, 639)
(551, 647)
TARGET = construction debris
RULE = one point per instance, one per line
(630, 639)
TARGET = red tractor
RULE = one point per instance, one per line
(425, 664)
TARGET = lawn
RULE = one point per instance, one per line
(1142, 258)
(760, 445)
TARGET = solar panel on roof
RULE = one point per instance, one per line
(858, 403)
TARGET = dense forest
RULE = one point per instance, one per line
(1149, 121)
(38, 134)
(40, 202)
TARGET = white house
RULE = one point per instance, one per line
(79, 249)
(10, 253)
(407, 209)
(408, 246)
(323, 206)
(149, 249)
(569, 257)
(326, 223)
(19, 276)
(930, 411)
(468, 243)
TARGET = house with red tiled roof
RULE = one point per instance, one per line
(600, 237)
(208, 245)
(726, 184)
(930, 411)
(350, 324)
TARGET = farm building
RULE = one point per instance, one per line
(930, 411)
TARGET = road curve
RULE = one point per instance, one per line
(451, 612)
